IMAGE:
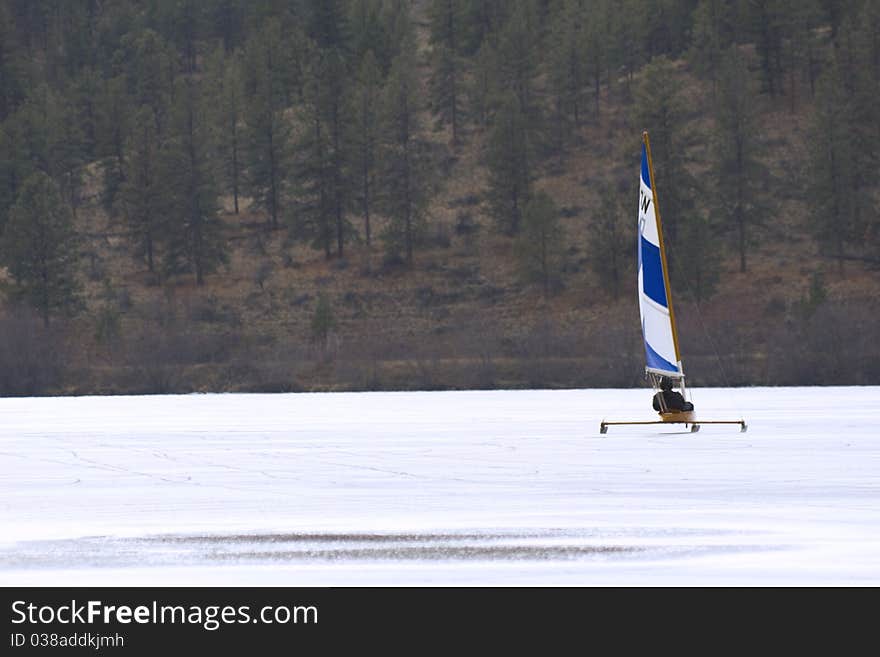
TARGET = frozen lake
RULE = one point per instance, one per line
(440, 488)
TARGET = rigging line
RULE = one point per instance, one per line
(670, 250)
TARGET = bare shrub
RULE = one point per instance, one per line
(31, 356)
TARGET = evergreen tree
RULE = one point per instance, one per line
(518, 59)
(325, 154)
(404, 159)
(611, 244)
(227, 17)
(227, 102)
(447, 63)
(111, 132)
(183, 22)
(38, 247)
(627, 26)
(565, 71)
(483, 20)
(143, 191)
(861, 120)
(46, 137)
(694, 264)
(12, 74)
(669, 27)
(84, 95)
(150, 70)
(16, 163)
(327, 24)
(509, 159)
(870, 22)
(338, 116)
(833, 168)
(539, 245)
(367, 31)
(740, 176)
(315, 215)
(660, 110)
(366, 138)
(482, 91)
(268, 134)
(766, 28)
(712, 35)
(194, 233)
(398, 30)
(323, 321)
(315, 174)
(798, 24)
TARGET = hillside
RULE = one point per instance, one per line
(463, 316)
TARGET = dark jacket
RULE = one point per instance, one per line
(673, 401)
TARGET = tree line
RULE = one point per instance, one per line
(332, 118)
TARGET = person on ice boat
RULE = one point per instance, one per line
(670, 400)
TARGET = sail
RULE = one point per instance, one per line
(655, 305)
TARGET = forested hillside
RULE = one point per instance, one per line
(262, 195)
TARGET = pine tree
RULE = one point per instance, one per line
(112, 130)
(798, 23)
(861, 120)
(327, 24)
(711, 36)
(85, 92)
(482, 90)
(870, 22)
(611, 240)
(150, 70)
(194, 233)
(267, 136)
(834, 175)
(509, 159)
(398, 30)
(366, 123)
(626, 25)
(16, 163)
(694, 264)
(227, 17)
(404, 181)
(565, 72)
(482, 20)
(39, 248)
(12, 74)
(143, 192)
(367, 30)
(447, 63)
(323, 321)
(660, 110)
(227, 103)
(338, 116)
(48, 138)
(597, 53)
(325, 151)
(314, 219)
(741, 179)
(766, 28)
(539, 245)
(518, 62)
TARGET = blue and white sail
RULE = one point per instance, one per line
(655, 303)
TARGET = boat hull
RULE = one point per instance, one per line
(688, 417)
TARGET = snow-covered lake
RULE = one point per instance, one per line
(440, 488)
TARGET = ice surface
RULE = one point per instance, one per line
(440, 488)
